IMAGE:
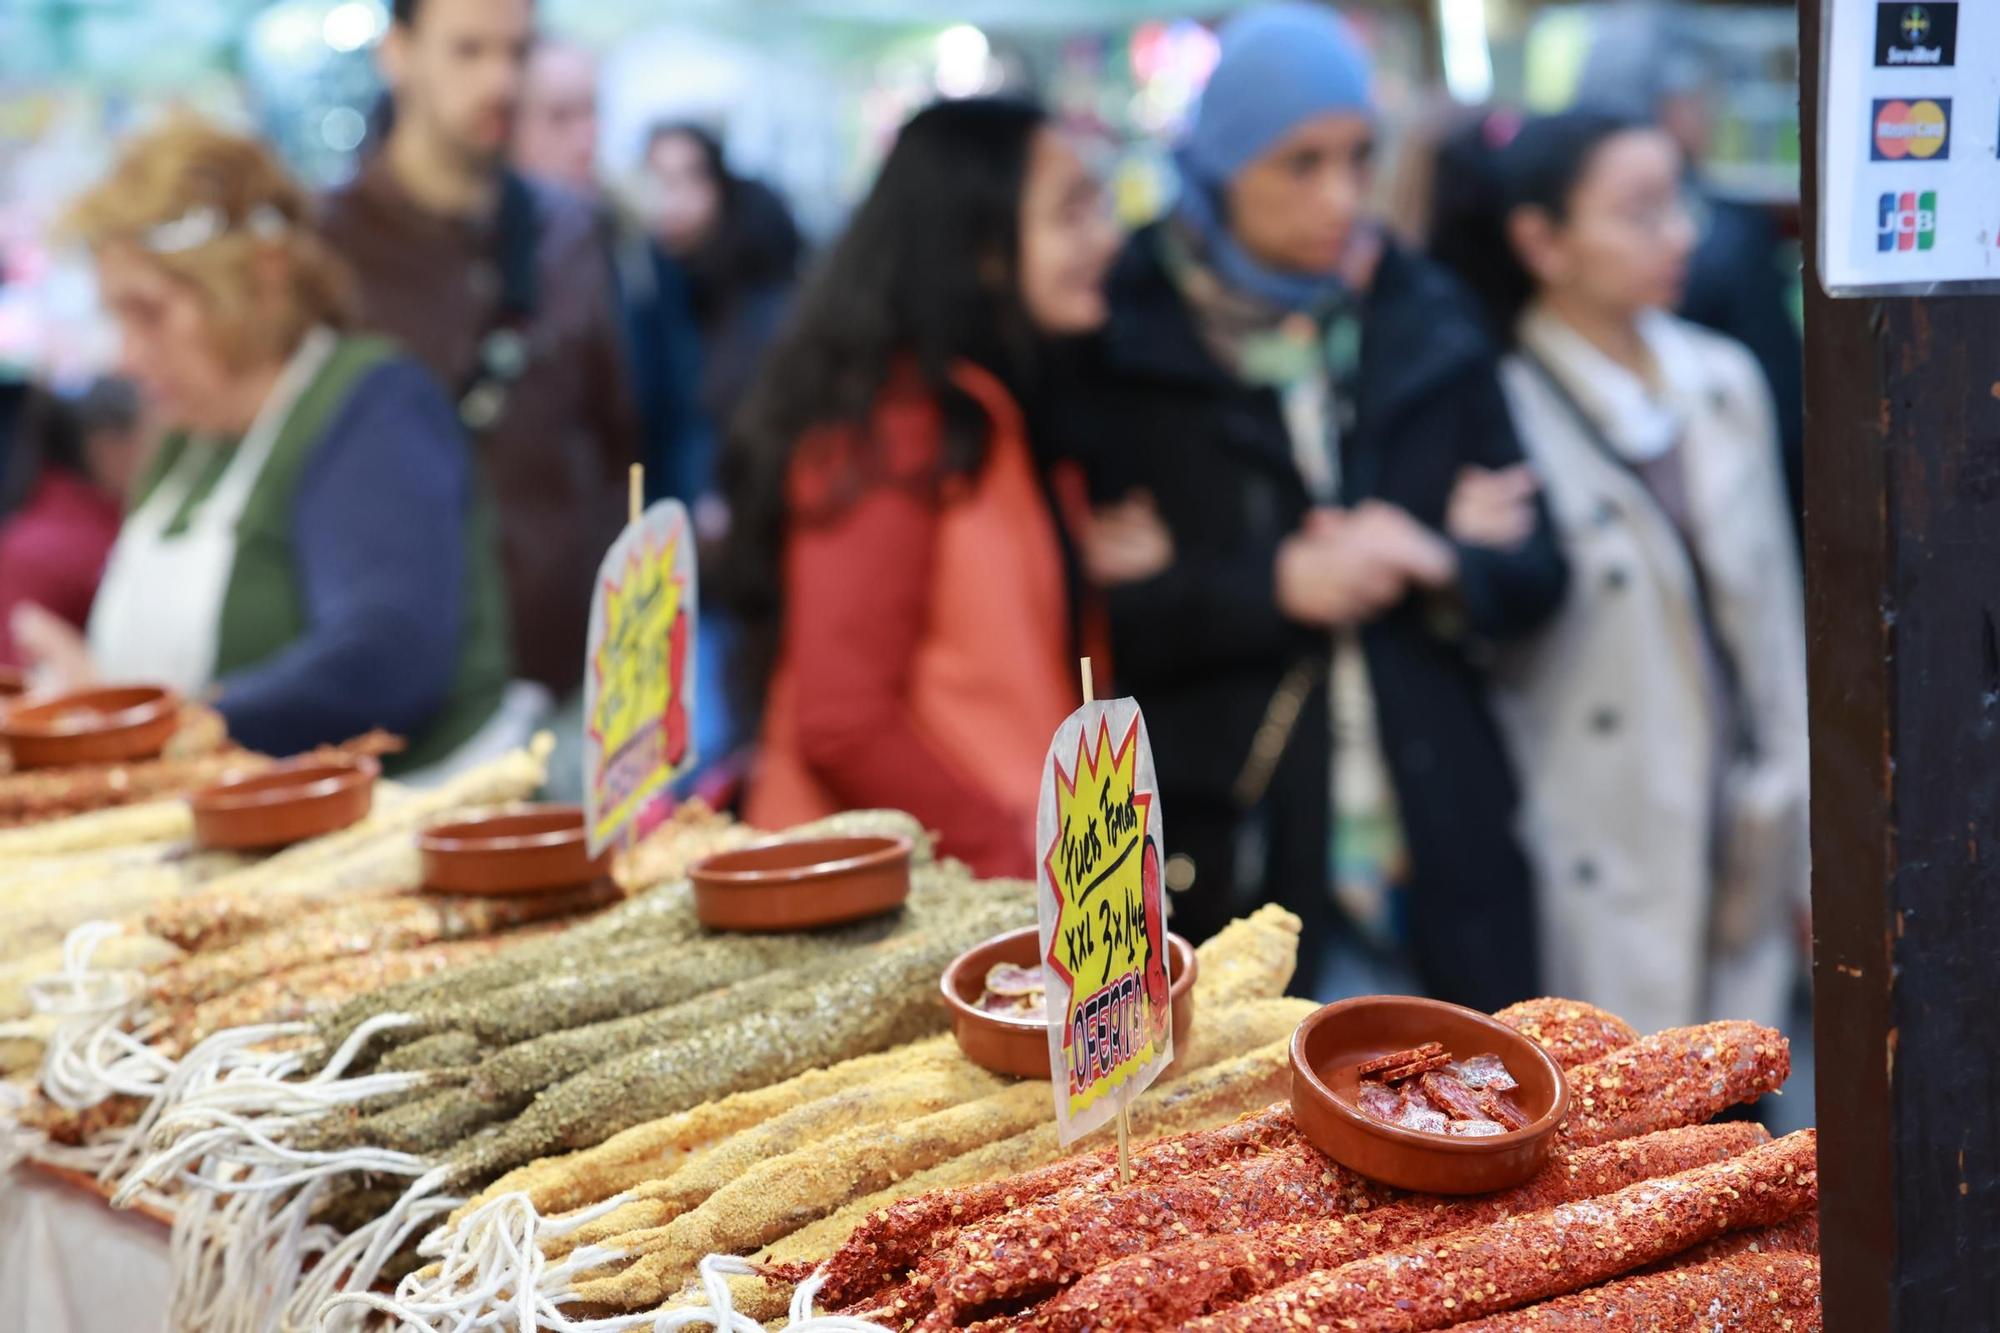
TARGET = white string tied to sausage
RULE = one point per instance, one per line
(720, 1311)
(245, 1241)
(492, 1270)
(89, 1056)
(235, 1105)
(17, 1141)
(353, 1266)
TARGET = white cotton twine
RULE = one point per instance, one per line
(720, 1313)
(245, 1251)
(89, 1057)
(17, 1141)
(492, 1273)
(491, 1270)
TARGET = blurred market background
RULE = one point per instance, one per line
(805, 97)
(804, 93)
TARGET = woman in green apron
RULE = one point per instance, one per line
(309, 549)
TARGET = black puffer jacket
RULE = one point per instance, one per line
(1204, 646)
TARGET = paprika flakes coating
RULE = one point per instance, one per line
(880, 1252)
(1174, 1283)
(1572, 1032)
(1682, 1076)
(1203, 1098)
(1752, 1293)
(884, 1247)
(1794, 1235)
(1523, 1260)
(1185, 1099)
(1039, 1248)
(896, 1238)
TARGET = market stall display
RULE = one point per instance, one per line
(151, 904)
(1186, 1280)
(124, 997)
(611, 1010)
(766, 1167)
(198, 752)
(1013, 1261)
(556, 1110)
(575, 1087)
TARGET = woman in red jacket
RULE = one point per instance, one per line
(899, 552)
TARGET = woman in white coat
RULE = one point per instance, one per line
(1659, 720)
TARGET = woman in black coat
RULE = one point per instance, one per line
(1315, 418)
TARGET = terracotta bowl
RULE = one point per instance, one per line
(802, 884)
(99, 726)
(1021, 1046)
(519, 849)
(1330, 1044)
(301, 799)
(13, 682)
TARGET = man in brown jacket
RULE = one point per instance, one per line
(500, 287)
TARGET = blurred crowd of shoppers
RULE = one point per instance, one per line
(1659, 720)
(1456, 579)
(62, 495)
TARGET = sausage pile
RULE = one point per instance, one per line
(1648, 1216)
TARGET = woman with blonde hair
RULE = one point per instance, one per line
(309, 547)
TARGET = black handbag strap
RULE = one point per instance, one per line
(502, 351)
(1743, 724)
(1275, 731)
(520, 239)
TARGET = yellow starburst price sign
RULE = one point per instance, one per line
(1103, 917)
(638, 713)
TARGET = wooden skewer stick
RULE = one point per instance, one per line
(635, 509)
(1124, 1108)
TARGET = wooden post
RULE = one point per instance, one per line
(1903, 618)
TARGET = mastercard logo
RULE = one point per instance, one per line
(1905, 129)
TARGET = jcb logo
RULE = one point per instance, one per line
(1906, 221)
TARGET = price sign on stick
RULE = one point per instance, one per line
(638, 681)
(1103, 917)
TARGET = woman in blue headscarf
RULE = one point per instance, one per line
(1314, 417)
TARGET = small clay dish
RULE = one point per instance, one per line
(99, 726)
(13, 682)
(802, 884)
(1333, 1042)
(520, 849)
(1020, 1046)
(301, 799)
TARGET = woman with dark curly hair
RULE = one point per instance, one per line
(897, 551)
(740, 248)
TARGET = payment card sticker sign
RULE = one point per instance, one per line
(638, 735)
(1906, 220)
(1918, 129)
(1909, 101)
(1103, 915)
(1916, 36)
